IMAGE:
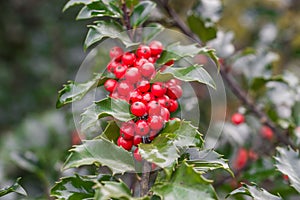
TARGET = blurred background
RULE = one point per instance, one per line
(41, 48)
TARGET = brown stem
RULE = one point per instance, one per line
(126, 20)
(145, 178)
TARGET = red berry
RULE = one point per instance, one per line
(119, 71)
(76, 137)
(142, 128)
(156, 47)
(152, 59)
(164, 101)
(147, 70)
(285, 177)
(155, 122)
(241, 159)
(154, 108)
(169, 63)
(158, 89)
(165, 114)
(126, 144)
(173, 105)
(127, 130)
(153, 134)
(138, 109)
(137, 139)
(174, 91)
(114, 95)
(252, 155)
(137, 155)
(140, 61)
(143, 86)
(112, 66)
(174, 81)
(237, 118)
(143, 51)
(115, 52)
(110, 85)
(132, 75)
(135, 96)
(124, 88)
(267, 132)
(128, 58)
(147, 97)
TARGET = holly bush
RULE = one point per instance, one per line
(146, 87)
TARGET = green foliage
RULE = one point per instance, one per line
(141, 13)
(16, 187)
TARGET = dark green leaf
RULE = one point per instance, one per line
(103, 152)
(201, 28)
(255, 192)
(259, 82)
(185, 184)
(177, 52)
(75, 187)
(288, 162)
(141, 12)
(99, 9)
(106, 29)
(206, 160)
(13, 188)
(117, 108)
(111, 132)
(192, 73)
(76, 2)
(151, 31)
(131, 3)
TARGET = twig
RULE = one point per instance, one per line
(126, 20)
(145, 178)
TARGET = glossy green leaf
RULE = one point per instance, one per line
(117, 108)
(76, 2)
(99, 9)
(151, 31)
(184, 184)
(16, 187)
(164, 149)
(141, 12)
(177, 52)
(192, 73)
(201, 29)
(75, 187)
(75, 91)
(102, 152)
(207, 160)
(255, 192)
(288, 162)
(111, 132)
(106, 29)
(131, 3)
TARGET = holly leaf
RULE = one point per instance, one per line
(111, 132)
(164, 149)
(101, 152)
(207, 160)
(72, 3)
(188, 74)
(75, 91)
(177, 52)
(141, 13)
(184, 184)
(16, 187)
(74, 187)
(117, 108)
(255, 192)
(106, 29)
(288, 163)
(151, 31)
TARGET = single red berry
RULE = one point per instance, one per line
(110, 85)
(137, 139)
(165, 114)
(119, 71)
(267, 132)
(141, 128)
(127, 130)
(155, 122)
(237, 118)
(153, 166)
(241, 159)
(285, 177)
(128, 58)
(174, 91)
(140, 62)
(138, 109)
(169, 63)
(173, 105)
(147, 70)
(137, 155)
(147, 97)
(124, 88)
(143, 51)
(112, 66)
(164, 101)
(115, 52)
(135, 96)
(154, 108)
(143, 86)
(76, 137)
(152, 59)
(126, 144)
(156, 47)
(132, 75)
(158, 89)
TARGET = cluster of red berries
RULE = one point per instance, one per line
(151, 103)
